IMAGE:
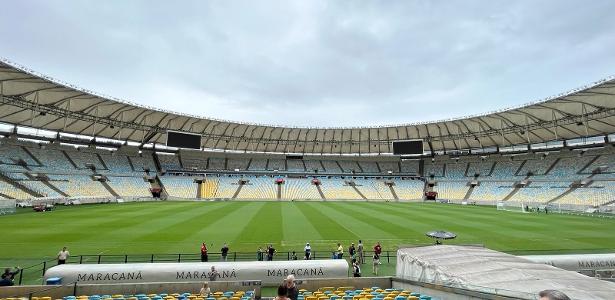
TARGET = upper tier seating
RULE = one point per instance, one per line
(217, 163)
(331, 166)
(369, 166)
(410, 166)
(237, 163)
(276, 164)
(258, 164)
(311, 165)
(349, 166)
(83, 158)
(145, 161)
(392, 166)
(295, 165)
(168, 161)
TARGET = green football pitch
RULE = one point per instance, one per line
(179, 227)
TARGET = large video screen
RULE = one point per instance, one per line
(183, 140)
(408, 147)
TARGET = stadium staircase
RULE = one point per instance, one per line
(156, 163)
(591, 162)
(552, 166)
(102, 161)
(322, 195)
(49, 185)
(469, 193)
(516, 189)
(72, 162)
(32, 156)
(157, 183)
(573, 188)
(393, 192)
(354, 187)
(520, 168)
(109, 188)
(18, 185)
(132, 166)
(279, 191)
(239, 186)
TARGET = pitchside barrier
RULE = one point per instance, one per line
(7, 206)
(34, 274)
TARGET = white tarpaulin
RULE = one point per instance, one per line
(485, 270)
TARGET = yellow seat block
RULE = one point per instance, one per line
(369, 296)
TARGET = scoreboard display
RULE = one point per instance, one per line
(183, 140)
(408, 147)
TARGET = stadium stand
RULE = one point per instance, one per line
(295, 188)
(369, 166)
(331, 166)
(491, 190)
(180, 186)
(295, 165)
(389, 166)
(258, 188)
(238, 163)
(336, 188)
(409, 189)
(258, 164)
(452, 190)
(130, 186)
(227, 186)
(311, 165)
(276, 164)
(168, 161)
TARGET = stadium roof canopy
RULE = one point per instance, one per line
(30, 99)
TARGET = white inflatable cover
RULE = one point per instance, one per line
(489, 271)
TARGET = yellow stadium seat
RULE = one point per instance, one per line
(311, 298)
(369, 296)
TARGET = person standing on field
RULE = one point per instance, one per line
(224, 252)
(340, 251)
(63, 256)
(204, 257)
(360, 252)
(376, 263)
(378, 249)
(270, 252)
(260, 254)
(352, 251)
(308, 251)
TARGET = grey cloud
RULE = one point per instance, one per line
(316, 63)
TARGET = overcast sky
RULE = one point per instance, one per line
(316, 63)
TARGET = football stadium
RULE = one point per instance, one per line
(107, 199)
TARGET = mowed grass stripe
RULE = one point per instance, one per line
(83, 224)
(297, 228)
(265, 227)
(174, 228)
(377, 229)
(328, 228)
(490, 230)
(225, 227)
